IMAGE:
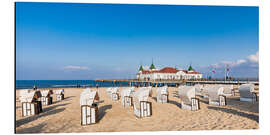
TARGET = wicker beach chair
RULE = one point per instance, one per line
(30, 103)
(141, 106)
(46, 98)
(162, 94)
(126, 96)
(59, 95)
(188, 99)
(109, 92)
(247, 93)
(216, 95)
(198, 89)
(204, 90)
(86, 90)
(228, 90)
(89, 109)
(115, 94)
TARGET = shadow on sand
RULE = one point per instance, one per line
(235, 112)
(235, 102)
(154, 98)
(65, 99)
(46, 112)
(34, 129)
(68, 97)
(102, 111)
(175, 103)
(206, 101)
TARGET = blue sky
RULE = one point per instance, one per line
(92, 41)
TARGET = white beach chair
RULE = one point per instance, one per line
(216, 95)
(162, 94)
(86, 90)
(89, 109)
(22, 93)
(188, 99)
(228, 90)
(59, 95)
(126, 96)
(247, 92)
(204, 90)
(109, 92)
(30, 104)
(141, 107)
(46, 98)
(114, 94)
(198, 89)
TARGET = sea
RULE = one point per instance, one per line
(29, 84)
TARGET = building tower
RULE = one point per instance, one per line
(190, 68)
(141, 68)
(152, 67)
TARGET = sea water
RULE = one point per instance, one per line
(28, 84)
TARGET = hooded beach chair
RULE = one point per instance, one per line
(30, 103)
(228, 90)
(23, 92)
(188, 99)
(109, 92)
(198, 89)
(204, 90)
(141, 106)
(59, 95)
(126, 96)
(247, 92)
(86, 90)
(89, 109)
(114, 94)
(162, 94)
(46, 98)
(216, 95)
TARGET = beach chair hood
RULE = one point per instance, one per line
(246, 90)
(214, 92)
(162, 90)
(59, 92)
(198, 88)
(140, 95)
(186, 93)
(87, 90)
(127, 92)
(29, 96)
(46, 93)
(227, 89)
(87, 98)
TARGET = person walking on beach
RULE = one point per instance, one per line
(97, 86)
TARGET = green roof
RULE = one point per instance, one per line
(190, 68)
(152, 66)
(141, 68)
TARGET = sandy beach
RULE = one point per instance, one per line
(64, 116)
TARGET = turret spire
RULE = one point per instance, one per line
(152, 65)
(190, 68)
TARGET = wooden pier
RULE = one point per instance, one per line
(174, 83)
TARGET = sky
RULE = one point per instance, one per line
(67, 41)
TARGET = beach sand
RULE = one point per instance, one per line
(64, 116)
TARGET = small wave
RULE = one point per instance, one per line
(63, 85)
(69, 85)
